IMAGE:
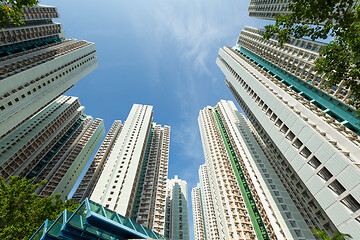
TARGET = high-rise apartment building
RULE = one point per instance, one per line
(229, 215)
(39, 147)
(177, 214)
(150, 200)
(88, 182)
(241, 194)
(133, 180)
(266, 9)
(198, 213)
(70, 161)
(210, 218)
(24, 148)
(310, 133)
(38, 65)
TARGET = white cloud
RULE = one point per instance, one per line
(195, 26)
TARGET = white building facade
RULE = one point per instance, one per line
(133, 180)
(177, 213)
(265, 9)
(314, 143)
(244, 184)
(69, 162)
(226, 213)
(91, 177)
(198, 213)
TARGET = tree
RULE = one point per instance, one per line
(22, 211)
(322, 235)
(318, 19)
(11, 10)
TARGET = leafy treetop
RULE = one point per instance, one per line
(11, 10)
(22, 211)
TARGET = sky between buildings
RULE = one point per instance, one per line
(160, 53)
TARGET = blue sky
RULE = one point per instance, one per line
(160, 53)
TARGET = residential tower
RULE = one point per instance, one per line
(38, 65)
(311, 133)
(177, 214)
(198, 213)
(242, 197)
(133, 180)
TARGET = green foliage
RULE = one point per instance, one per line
(318, 19)
(11, 10)
(314, 19)
(322, 235)
(22, 211)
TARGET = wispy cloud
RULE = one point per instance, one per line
(196, 26)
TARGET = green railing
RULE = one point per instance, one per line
(21, 47)
(93, 221)
(244, 187)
